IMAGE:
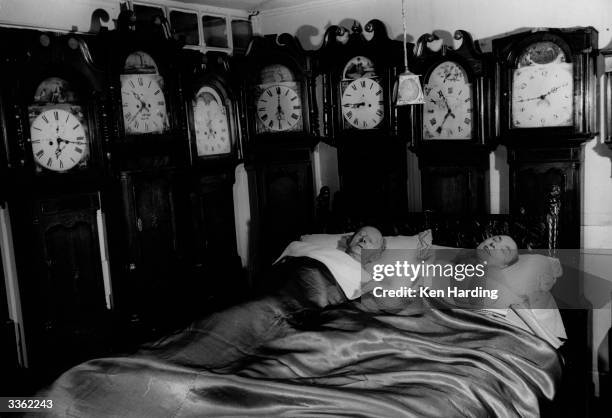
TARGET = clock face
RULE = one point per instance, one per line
(447, 113)
(210, 123)
(59, 139)
(144, 105)
(363, 103)
(543, 88)
(279, 108)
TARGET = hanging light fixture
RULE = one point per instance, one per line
(408, 89)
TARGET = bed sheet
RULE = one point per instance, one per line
(275, 357)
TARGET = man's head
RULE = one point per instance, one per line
(365, 238)
(499, 251)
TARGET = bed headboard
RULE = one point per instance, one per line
(530, 231)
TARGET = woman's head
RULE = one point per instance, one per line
(499, 251)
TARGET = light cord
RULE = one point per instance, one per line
(405, 48)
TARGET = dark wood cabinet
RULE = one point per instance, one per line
(534, 172)
(57, 249)
(152, 258)
(282, 199)
(453, 178)
(216, 277)
(373, 175)
(180, 252)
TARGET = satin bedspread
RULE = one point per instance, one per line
(262, 359)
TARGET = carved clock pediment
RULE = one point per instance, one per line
(359, 67)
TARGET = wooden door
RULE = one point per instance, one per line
(60, 274)
(216, 277)
(373, 175)
(153, 261)
(283, 205)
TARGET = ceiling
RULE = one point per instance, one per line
(246, 4)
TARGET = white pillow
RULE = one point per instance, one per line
(337, 241)
(420, 241)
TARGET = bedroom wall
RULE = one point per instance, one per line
(485, 20)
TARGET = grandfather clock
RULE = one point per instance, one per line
(150, 149)
(359, 67)
(451, 133)
(211, 100)
(279, 121)
(546, 102)
(56, 113)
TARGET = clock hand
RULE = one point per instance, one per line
(354, 105)
(58, 150)
(279, 109)
(136, 114)
(210, 128)
(143, 104)
(449, 113)
(554, 89)
(543, 96)
(70, 142)
(443, 97)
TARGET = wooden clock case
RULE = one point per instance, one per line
(450, 167)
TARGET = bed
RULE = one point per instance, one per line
(304, 349)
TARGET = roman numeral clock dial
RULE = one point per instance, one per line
(279, 108)
(447, 113)
(144, 105)
(363, 104)
(59, 141)
(211, 123)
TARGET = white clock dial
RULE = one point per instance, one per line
(363, 103)
(59, 141)
(543, 95)
(279, 108)
(210, 123)
(144, 105)
(447, 113)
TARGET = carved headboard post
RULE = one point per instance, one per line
(322, 209)
(552, 219)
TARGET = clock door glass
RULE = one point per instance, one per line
(58, 128)
(278, 103)
(542, 88)
(362, 98)
(142, 96)
(447, 113)
(210, 123)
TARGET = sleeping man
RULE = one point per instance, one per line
(523, 283)
(499, 251)
(366, 238)
(344, 265)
